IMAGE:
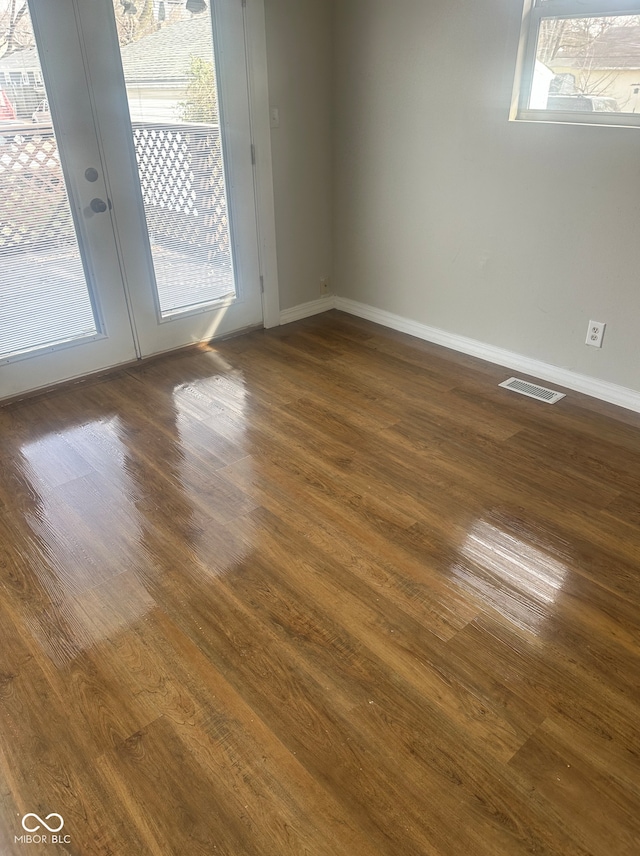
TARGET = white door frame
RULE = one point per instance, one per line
(256, 34)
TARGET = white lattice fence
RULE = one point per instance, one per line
(34, 210)
(182, 179)
(183, 187)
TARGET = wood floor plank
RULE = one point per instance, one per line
(320, 590)
(555, 684)
(363, 557)
(590, 804)
(403, 647)
(44, 766)
(195, 698)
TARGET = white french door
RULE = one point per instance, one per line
(158, 246)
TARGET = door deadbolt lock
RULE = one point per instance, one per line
(91, 174)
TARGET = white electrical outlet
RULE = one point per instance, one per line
(595, 333)
(324, 285)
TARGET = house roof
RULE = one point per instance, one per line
(618, 48)
(164, 55)
(24, 60)
(167, 52)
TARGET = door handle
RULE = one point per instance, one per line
(98, 206)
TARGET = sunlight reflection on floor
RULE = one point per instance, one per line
(508, 574)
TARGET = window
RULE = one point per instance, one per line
(579, 62)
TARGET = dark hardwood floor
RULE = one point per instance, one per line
(324, 590)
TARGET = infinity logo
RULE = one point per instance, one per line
(42, 822)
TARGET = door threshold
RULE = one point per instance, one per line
(105, 374)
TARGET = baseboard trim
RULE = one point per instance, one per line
(603, 390)
(306, 310)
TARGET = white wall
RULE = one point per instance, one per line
(513, 234)
(299, 45)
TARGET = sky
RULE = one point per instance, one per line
(4, 5)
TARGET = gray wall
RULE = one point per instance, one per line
(446, 213)
(300, 46)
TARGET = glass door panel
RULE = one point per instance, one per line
(183, 188)
(44, 296)
(62, 306)
(169, 71)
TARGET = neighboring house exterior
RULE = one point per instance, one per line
(611, 69)
(167, 53)
(21, 79)
(156, 71)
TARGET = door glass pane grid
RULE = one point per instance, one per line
(169, 68)
(44, 299)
